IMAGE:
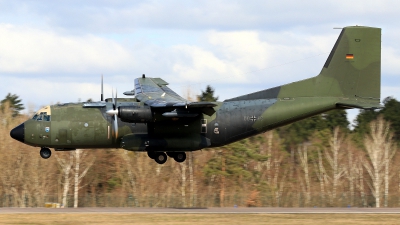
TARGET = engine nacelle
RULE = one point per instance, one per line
(135, 114)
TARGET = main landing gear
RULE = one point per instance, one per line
(161, 157)
(45, 153)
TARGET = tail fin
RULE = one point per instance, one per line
(350, 78)
(353, 68)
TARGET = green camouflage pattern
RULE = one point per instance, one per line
(350, 78)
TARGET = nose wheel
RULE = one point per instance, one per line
(45, 153)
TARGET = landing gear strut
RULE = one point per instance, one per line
(45, 153)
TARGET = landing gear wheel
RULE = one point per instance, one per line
(45, 153)
(180, 157)
(151, 154)
(161, 157)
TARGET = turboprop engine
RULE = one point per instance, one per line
(135, 114)
(132, 113)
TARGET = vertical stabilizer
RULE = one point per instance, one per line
(353, 68)
(350, 77)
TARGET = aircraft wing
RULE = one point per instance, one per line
(155, 93)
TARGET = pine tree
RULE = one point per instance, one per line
(207, 95)
(390, 112)
(336, 118)
(231, 163)
(14, 103)
(300, 131)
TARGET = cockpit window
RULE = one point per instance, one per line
(42, 117)
(43, 114)
(46, 118)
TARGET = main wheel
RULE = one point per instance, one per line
(161, 157)
(180, 157)
(151, 154)
(45, 153)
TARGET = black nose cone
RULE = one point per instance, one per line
(18, 133)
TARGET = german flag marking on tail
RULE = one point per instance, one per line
(349, 56)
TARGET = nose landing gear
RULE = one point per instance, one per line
(45, 153)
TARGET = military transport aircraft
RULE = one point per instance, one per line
(161, 123)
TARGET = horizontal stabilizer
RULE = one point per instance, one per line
(358, 105)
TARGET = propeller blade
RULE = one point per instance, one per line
(115, 126)
(114, 112)
(101, 98)
(112, 97)
(116, 98)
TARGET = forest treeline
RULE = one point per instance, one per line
(316, 162)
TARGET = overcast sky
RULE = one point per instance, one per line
(55, 51)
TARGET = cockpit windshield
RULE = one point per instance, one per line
(44, 114)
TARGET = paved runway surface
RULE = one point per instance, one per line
(227, 210)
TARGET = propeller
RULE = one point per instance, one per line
(113, 112)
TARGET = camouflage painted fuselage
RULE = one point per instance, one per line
(350, 78)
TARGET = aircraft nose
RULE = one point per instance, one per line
(18, 133)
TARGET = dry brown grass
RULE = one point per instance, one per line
(207, 219)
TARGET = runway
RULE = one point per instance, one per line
(227, 210)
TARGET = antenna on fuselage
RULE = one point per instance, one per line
(101, 97)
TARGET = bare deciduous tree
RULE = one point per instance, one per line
(303, 156)
(131, 176)
(269, 152)
(181, 169)
(380, 150)
(66, 166)
(80, 157)
(360, 183)
(321, 175)
(333, 157)
(191, 180)
(351, 172)
(390, 150)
